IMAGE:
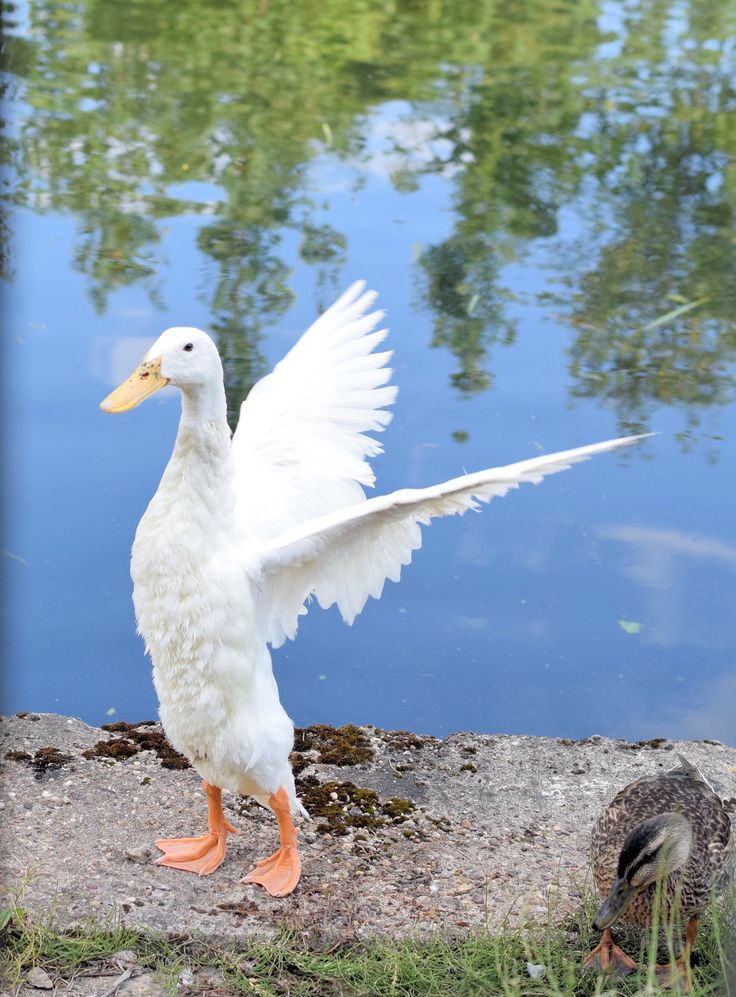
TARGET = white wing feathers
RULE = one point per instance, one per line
(346, 556)
(300, 449)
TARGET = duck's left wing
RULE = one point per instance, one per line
(302, 448)
(346, 556)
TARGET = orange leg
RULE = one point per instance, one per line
(609, 958)
(201, 855)
(666, 975)
(280, 872)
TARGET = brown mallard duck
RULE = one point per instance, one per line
(669, 829)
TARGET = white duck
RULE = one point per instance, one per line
(241, 533)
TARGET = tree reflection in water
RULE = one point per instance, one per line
(624, 117)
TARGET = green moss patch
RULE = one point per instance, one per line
(49, 758)
(138, 737)
(116, 747)
(346, 745)
(405, 740)
(343, 807)
(123, 727)
(42, 761)
(652, 742)
(17, 756)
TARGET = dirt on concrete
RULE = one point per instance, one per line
(411, 835)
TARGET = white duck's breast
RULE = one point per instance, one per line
(195, 609)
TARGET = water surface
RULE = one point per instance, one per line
(544, 197)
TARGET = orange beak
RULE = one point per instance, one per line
(144, 380)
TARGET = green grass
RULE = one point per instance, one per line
(472, 965)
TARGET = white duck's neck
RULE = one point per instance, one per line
(199, 478)
(203, 403)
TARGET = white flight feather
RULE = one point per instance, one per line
(300, 449)
(346, 556)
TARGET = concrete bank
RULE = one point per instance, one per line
(410, 834)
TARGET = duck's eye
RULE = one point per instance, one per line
(189, 347)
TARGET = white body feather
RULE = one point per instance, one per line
(240, 534)
(195, 607)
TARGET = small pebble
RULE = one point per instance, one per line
(211, 976)
(535, 969)
(142, 986)
(126, 957)
(39, 979)
(140, 854)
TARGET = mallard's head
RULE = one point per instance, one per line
(653, 850)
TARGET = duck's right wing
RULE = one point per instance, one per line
(346, 556)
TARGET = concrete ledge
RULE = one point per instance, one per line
(411, 834)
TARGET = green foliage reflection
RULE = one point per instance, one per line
(602, 139)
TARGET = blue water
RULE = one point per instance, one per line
(508, 620)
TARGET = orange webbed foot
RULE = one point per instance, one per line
(607, 957)
(204, 854)
(201, 855)
(670, 975)
(279, 873)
